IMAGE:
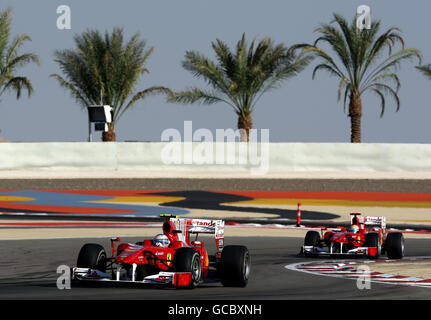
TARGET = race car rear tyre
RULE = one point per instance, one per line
(92, 256)
(188, 260)
(395, 245)
(312, 238)
(372, 240)
(235, 266)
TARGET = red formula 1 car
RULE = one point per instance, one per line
(170, 260)
(367, 237)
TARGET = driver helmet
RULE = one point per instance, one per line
(354, 229)
(161, 240)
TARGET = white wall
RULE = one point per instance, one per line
(350, 157)
(278, 157)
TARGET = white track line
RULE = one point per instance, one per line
(347, 270)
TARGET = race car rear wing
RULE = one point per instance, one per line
(368, 221)
(375, 221)
(184, 227)
(197, 225)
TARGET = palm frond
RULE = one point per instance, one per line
(75, 92)
(197, 95)
(19, 83)
(382, 100)
(393, 62)
(141, 95)
(387, 90)
(426, 70)
(343, 82)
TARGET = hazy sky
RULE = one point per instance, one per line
(303, 110)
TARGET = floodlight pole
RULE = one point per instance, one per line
(89, 130)
(89, 125)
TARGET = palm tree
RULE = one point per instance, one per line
(241, 77)
(360, 66)
(104, 70)
(11, 60)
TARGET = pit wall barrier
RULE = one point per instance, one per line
(255, 158)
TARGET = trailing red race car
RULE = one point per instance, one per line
(169, 259)
(367, 236)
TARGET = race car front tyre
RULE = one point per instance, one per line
(92, 256)
(188, 260)
(372, 240)
(235, 266)
(395, 245)
(312, 238)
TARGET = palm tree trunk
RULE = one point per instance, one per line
(245, 123)
(110, 134)
(355, 114)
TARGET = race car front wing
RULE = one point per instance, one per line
(173, 279)
(318, 251)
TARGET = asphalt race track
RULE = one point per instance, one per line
(28, 271)
(28, 267)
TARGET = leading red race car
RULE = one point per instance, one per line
(367, 237)
(178, 262)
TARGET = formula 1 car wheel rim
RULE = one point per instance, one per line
(196, 269)
(246, 266)
(101, 261)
